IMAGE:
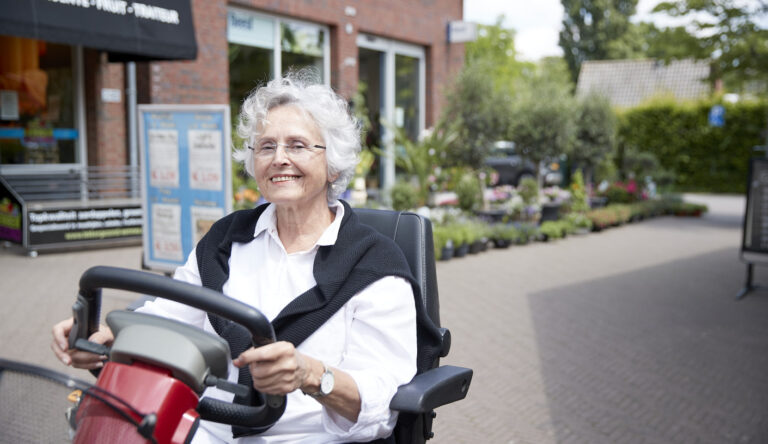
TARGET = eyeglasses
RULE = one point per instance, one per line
(295, 149)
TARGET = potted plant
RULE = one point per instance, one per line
(443, 243)
(551, 230)
(503, 235)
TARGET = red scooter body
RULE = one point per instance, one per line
(144, 388)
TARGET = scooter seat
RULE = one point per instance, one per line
(190, 353)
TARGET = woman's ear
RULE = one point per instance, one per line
(332, 177)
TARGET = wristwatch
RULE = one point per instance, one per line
(326, 383)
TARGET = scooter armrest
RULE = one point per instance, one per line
(431, 389)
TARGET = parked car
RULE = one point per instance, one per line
(512, 168)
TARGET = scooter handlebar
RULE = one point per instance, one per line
(88, 305)
(86, 321)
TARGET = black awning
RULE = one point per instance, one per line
(128, 30)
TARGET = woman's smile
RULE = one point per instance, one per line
(276, 179)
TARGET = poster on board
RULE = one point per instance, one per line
(186, 178)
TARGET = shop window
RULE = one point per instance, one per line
(37, 105)
(302, 46)
(262, 47)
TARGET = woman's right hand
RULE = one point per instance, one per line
(77, 358)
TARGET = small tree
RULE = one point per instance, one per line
(478, 111)
(595, 133)
(541, 122)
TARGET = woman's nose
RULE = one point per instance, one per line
(281, 155)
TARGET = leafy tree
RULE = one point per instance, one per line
(595, 132)
(477, 112)
(596, 30)
(541, 120)
(495, 48)
(731, 33)
(668, 43)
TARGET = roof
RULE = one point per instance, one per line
(627, 83)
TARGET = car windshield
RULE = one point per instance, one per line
(502, 149)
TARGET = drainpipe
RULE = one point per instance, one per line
(130, 95)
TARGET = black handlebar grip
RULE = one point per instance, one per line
(264, 415)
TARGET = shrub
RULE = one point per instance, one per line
(702, 157)
(469, 191)
(404, 196)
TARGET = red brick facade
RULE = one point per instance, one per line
(206, 79)
(106, 139)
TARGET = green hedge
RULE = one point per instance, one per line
(702, 157)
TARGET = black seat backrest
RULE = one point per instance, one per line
(413, 234)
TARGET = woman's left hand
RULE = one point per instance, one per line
(276, 369)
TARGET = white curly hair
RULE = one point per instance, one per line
(340, 130)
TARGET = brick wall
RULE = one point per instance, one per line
(106, 130)
(419, 22)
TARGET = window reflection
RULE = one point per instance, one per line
(302, 46)
(37, 116)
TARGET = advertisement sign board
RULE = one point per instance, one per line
(186, 178)
(58, 226)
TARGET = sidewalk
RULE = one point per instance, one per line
(631, 335)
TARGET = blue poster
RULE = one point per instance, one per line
(186, 178)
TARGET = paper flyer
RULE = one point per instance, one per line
(205, 159)
(163, 158)
(166, 232)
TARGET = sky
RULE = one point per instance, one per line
(537, 22)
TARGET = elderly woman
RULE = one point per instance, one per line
(339, 295)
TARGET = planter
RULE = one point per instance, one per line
(476, 247)
(446, 253)
(501, 243)
(550, 211)
(461, 251)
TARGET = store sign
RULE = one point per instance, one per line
(460, 32)
(245, 28)
(65, 224)
(186, 178)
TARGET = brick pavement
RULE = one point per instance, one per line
(627, 336)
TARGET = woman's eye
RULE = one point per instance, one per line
(298, 146)
(268, 147)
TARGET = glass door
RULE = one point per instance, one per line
(391, 80)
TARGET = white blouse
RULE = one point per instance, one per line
(372, 337)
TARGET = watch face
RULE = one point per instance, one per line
(326, 383)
